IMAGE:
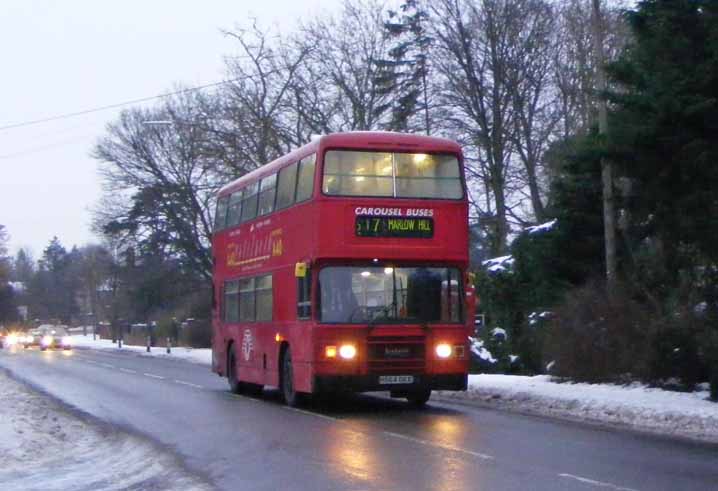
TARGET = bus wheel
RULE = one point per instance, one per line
(419, 398)
(235, 386)
(291, 397)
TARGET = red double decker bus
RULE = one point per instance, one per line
(343, 266)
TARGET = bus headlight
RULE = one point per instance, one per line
(347, 351)
(46, 340)
(443, 350)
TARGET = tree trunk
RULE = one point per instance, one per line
(609, 226)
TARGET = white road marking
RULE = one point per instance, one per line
(127, 370)
(309, 413)
(151, 375)
(596, 483)
(107, 365)
(182, 382)
(439, 445)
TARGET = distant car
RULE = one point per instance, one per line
(54, 337)
(32, 338)
(9, 339)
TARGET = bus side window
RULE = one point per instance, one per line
(249, 201)
(305, 179)
(304, 296)
(286, 186)
(263, 288)
(267, 190)
(234, 209)
(230, 305)
(221, 213)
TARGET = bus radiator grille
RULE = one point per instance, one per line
(395, 354)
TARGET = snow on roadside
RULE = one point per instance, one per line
(44, 447)
(196, 355)
(643, 408)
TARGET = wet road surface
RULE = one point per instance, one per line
(357, 442)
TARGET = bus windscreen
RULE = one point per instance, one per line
(387, 174)
(406, 295)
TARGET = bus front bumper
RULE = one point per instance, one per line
(374, 383)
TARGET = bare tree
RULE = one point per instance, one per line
(474, 54)
(166, 172)
(534, 97)
(574, 62)
(343, 64)
(253, 120)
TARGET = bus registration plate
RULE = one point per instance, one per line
(396, 379)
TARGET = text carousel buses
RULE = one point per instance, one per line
(343, 266)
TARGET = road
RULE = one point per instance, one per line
(355, 443)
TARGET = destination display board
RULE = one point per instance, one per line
(394, 226)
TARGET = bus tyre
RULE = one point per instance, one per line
(235, 386)
(291, 397)
(419, 398)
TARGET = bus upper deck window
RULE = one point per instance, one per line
(267, 191)
(249, 202)
(350, 173)
(429, 176)
(220, 215)
(402, 175)
(305, 179)
(234, 210)
(286, 186)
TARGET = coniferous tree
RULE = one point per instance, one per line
(665, 128)
(8, 310)
(405, 72)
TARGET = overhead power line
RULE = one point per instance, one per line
(111, 106)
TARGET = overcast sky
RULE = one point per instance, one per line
(64, 56)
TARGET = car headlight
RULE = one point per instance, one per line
(66, 341)
(11, 339)
(443, 350)
(347, 351)
(46, 340)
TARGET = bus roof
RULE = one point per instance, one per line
(375, 140)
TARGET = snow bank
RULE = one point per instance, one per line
(689, 415)
(196, 355)
(44, 447)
